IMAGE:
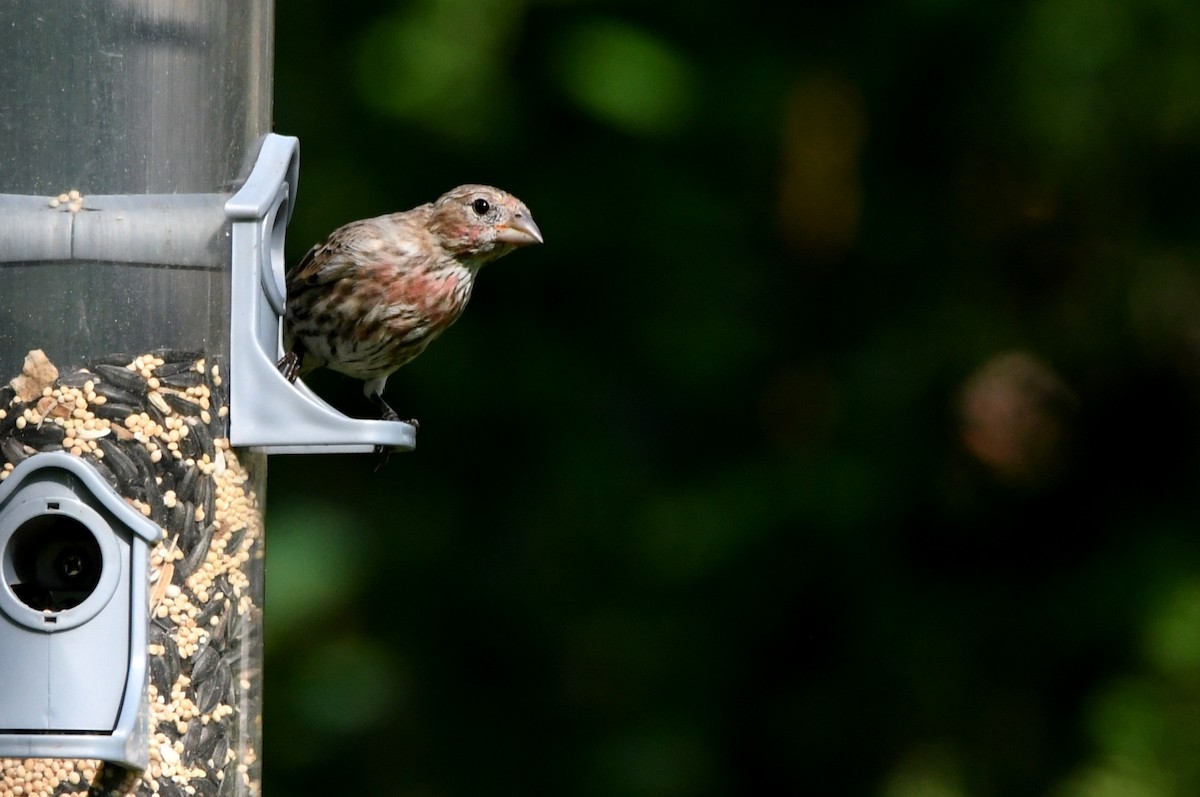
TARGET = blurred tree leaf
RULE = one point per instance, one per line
(314, 568)
(625, 76)
(440, 64)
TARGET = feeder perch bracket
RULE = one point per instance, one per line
(265, 410)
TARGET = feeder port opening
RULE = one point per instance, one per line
(55, 562)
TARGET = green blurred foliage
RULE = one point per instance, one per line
(840, 440)
(624, 76)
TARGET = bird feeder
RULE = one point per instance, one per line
(143, 206)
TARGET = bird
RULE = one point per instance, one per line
(376, 292)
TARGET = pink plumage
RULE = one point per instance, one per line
(376, 292)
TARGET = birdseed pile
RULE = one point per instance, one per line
(154, 426)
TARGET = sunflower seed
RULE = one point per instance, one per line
(155, 414)
(203, 437)
(179, 404)
(140, 457)
(203, 538)
(185, 488)
(236, 538)
(169, 355)
(180, 380)
(169, 368)
(204, 664)
(13, 450)
(110, 359)
(41, 436)
(122, 378)
(214, 745)
(116, 411)
(212, 690)
(104, 471)
(76, 379)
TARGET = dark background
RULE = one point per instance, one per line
(841, 439)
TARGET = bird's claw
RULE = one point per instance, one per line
(289, 366)
(390, 414)
(383, 452)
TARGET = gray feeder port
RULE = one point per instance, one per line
(74, 560)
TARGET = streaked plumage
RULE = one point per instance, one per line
(376, 292)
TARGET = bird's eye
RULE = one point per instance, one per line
(481, 206)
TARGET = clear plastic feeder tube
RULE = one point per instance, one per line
(126, 127)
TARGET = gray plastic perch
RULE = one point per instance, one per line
(265, 409)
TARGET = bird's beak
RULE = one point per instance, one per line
(519, 231)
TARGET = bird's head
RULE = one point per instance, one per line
(479, 223)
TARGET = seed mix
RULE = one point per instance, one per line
(155, 427)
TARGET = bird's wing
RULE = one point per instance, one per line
(358, 245)
(330, 260)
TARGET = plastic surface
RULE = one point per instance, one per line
(72, 640)
(132, 96)
(159, 229)
(266, 410)
(144, 116)
(125, 273)
(128, 124)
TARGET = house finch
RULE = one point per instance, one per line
(376, 292)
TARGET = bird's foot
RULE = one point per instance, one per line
(383, 452)
(390, 414)
(289, 366)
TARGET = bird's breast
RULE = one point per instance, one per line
(437, 298)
